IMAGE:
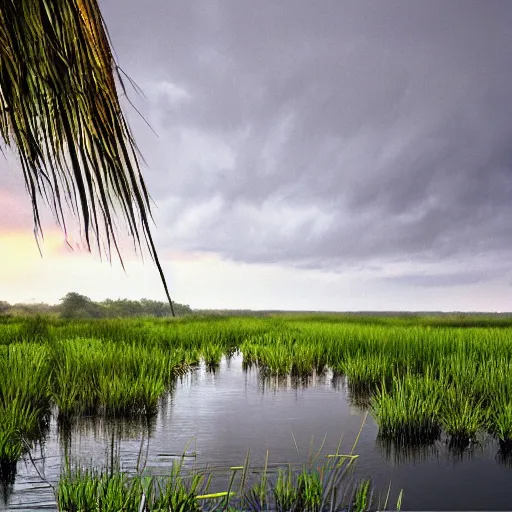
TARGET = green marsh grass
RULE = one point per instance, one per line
(292, 491)
(320, 487)
(362, 497)
(461, 416)
(410, 410)
(212, 355)
(284, 491)
(35, 330)
(275, 360)
(122, 367)
(500, 419)
(24, 398)
(366, 370)
(89, 490)
(469, 354)
(116, 379)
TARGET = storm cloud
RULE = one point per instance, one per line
(327, 135)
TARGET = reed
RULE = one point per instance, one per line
(322, 487)
(82, 489)
(24, 398)
(112, 378)
(461, 417)
(212, 355)
(410, 409)
(367, 370)
(362, 496)
(275, 360)
(500, 419)
(284, 491)
(178, 492)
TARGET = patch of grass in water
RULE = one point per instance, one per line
(120, 396)
(275, 360)
(367, 370)
(24, 398)
(500, 419)
(409, 411)
(212, 356)
(461, 417)
(142, 357)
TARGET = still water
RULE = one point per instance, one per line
(219, 416)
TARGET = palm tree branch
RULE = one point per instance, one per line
(59, 106)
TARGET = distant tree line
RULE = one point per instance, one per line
(75, 305)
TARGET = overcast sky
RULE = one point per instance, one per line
(334, 155)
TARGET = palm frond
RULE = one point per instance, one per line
(59, 107)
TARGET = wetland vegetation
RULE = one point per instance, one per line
(420, 377)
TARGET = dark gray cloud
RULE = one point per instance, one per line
(326, 134)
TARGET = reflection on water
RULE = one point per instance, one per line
(7, 479)
(359, 396)
(217, 416)
(504, 455)
(273, 384)
(400, 452)
(460, 451)
(100, 428)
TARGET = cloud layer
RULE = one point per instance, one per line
(328, 136)
(325, 135)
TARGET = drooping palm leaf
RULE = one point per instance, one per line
(59, 107)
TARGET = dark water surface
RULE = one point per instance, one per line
(223, 415)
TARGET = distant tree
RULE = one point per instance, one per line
(144, 307)
(75, 305)
(153, 307)
(181, 309)
(121, 307)
(157, 308)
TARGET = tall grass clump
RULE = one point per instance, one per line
(275, 360)
(178, 492)
(116, 379)
(125, 397)
(366, 371)
(500, 414)
(290, 492)
(212, 355)
(9, 332)
(500, 422)
(461, 416)
(86, 489)
(75, 373)
(24, 398)
(410, 409)
(83, 489)
(308, 358)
